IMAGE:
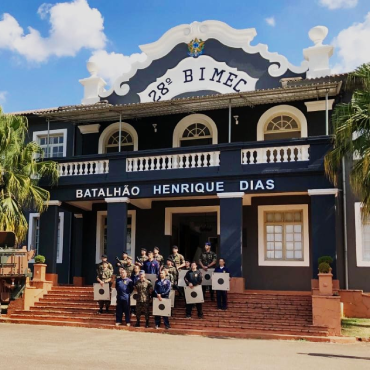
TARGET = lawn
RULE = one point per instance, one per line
(356, 328)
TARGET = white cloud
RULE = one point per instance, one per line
(352, 46)
(3, 95)
(337, 4)
(270, 21)
(73, 26)
(112, 65)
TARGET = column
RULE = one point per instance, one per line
(49, 221)
(76, 255)
(323, 227)
(231, 227)
(116, 227)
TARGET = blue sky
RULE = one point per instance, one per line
(42, 69)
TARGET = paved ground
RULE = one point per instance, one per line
(47, 347)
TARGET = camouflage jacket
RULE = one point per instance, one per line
(99, 267)
(207, 258)
(159, 258)
(143, 289)
(123, 262)
(141, 259)
(178, 259)
(129, 269)
(105, 275)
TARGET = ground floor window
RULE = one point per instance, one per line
(34, 234)
(283, 235)
(362, 237)
(102, 233)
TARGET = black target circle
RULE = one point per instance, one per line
(220, 281)
(194, 294)
(207, 276)
(135, 296)
(161, 306)
(101, 291)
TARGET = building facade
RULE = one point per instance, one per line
(206, 138)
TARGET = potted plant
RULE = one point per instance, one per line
(325, 276)
(39, 268)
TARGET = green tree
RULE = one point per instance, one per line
(351, 123)
(20, 173)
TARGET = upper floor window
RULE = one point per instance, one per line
(282, 127)
(127, 143)
(53, 143)
(195, 129)
(109, 139)
(282, 122)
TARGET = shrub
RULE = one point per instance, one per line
(326, 259)
(39, 259)
(324, 268)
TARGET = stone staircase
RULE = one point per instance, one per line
(250, 315)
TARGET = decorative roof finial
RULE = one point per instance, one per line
(317, 34)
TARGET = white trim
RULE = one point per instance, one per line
(231, 195)
(111, 129)
(318, 105)
(333, 191)
(117, 200)
(358, 227)
(261, 235)
(189, 120)
(175, 210)
(36, 135)
(210, 29)
(31, 225)
(99, 233)
(89, 129)
(281, 109)
(53, 203)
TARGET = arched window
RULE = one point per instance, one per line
(282, 122)
(127, 143)
(109, 138)
(282, 127)
(195, 129)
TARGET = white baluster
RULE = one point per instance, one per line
(285, 155)
(135, 168)
(212, 159)
(141, 164)
(305, 153)
(106, 166)
(175, 162)
(218, 158)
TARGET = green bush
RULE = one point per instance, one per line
(39, 259)
(326, 259)
(324, 268)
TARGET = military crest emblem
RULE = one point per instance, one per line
(195, 48)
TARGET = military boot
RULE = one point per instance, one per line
(147, 323)
(137, 325)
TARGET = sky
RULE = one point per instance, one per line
(44, 46)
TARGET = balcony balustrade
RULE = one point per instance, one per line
(84, 168)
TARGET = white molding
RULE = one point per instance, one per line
(111, 129)
(78, 215)
(281, 109)
(210, 29)
(231, 195)
(143, 203)
(53, 203)
(323, 192)
(64, 131)
(189, 120)
(261, 236)
(358, 227)
(318, 105)
(169, 211)
(117, 200)
(99, 233)
(89, 129)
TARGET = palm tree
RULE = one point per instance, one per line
(20, 173)
(351, 123)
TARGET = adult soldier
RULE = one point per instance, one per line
(99, 266)
(122, 262)
(158, 257)
(187, 266)
(162, 288)
(192, 279)
(135, 276)
(151, 266)
(222, 294)
(144, 290)
(124, 288)
(173, 271)
(143, 257)
(129, 267)
(104, 276)
(177, 258)
(208, 259)
(168, 276)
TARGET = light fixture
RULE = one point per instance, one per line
(236, 120)
(155, 127)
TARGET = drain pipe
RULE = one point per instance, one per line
(48, 138)
(345, 224)
(326, 113)
(120, 133)
(230, 121)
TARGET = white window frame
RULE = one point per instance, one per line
(31, 226)
(100, 230)
(305, 235)
(358, 225)
(36, 137)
